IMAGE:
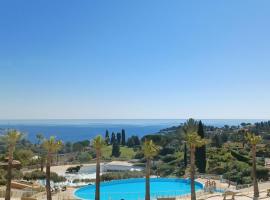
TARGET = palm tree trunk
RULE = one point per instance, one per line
(9, 174)
(254, 174)
(192, 173)
(97, 194)
(147, 179)
(48, 177)
(42, 164)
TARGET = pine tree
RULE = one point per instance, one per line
(118, 137)
(113, 138)
(116, 150)
(200, 153)
(107, 137)
(123, 137)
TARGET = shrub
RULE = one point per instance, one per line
(169, 158)
(73, 169)
(240, 157)
(121, 175)
(84, 157)
(139, 155)
(262, 173)
(35, 175)
(166, 150)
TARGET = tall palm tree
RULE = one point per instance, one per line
(149, 150)
(51, 146)
(98, 144)
(253, 140)
(11, 139)
(41, 156)
(193, 140)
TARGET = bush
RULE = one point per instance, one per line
(262, 173)
(139, 155)
(240, 157)
(121, 175)
(169, 158)
(73, 169)
(84, 157)
(35, 175)
(165, 169)
(246, 180)
(217, 170)
(166, 150)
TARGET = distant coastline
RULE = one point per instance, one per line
(81, 129)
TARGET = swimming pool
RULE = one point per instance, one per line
(134, 189)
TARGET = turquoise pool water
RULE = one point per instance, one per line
(134, 189)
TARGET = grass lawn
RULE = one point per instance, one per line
(126, 153)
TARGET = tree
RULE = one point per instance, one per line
(77, 147)
(11, 139)
(193, 140)
(123, 137)
(200, 153)
(133, 141)
(41, 156)
(51, 146)
(216, 141)
(98, 144)
(149, 150)
(68, 147)
(113, 138)
(25, 156)
(185, 155)
(253, 140)
(118, 136)
(107, 137)
(116, 150)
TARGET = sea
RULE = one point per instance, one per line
(82, 129)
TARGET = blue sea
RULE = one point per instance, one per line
(77, 129)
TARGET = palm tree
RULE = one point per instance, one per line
(253, 140)
(40, 139)
(51, 146)
(193, 140)
(98, 144)
(149, 150)
(11, 139)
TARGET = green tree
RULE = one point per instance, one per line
(216, 141)
(200, 153)
(78, 147)
(98, 144)
(118, 137)
(253, 140)
(68, 147)
(133, 141)
(113, 138)
(11, 139)
(149, 150)
(51, 146)
(123, 137)
(84, 157)
(41, 154)
(193, 140)
(107, 137)
(25, 156)
(116, 150)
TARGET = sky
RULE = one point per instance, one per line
(135, 59)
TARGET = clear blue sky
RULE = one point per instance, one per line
(134, 59)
